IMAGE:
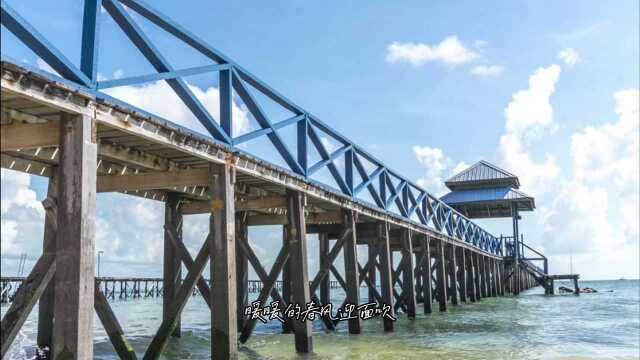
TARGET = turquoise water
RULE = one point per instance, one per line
(605, 325)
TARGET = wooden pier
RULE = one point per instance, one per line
(128, 288)
(85, 142)
(75, 140)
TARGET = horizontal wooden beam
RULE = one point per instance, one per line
(203, 207)
(152, 180)
(29, 136)
(310, 218)
(40, 132)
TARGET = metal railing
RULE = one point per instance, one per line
(389, 191)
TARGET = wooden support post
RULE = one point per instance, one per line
(471, 282)
(351, 270)
(45, 305)
(462, 273)
(487, 275)
(172, 266)
(494, 279)
(386, 282)
(372, 247)
(476, 275)
(242, 270)
(299, 271)
(325, 285)
(408, 278)
(74, 288)
(287, 325)
(453, 274)
(501, 277)
(441, 276)
(483, 278)
(427, 296)
(222, 251)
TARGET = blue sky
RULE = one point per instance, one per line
(548, 90)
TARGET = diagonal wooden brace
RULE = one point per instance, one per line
(112, 326)
(185, 291)
(184, 255)
(267, 283)
(25, 299)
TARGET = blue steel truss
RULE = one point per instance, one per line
(412, 202)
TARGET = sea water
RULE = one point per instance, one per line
(604, 325)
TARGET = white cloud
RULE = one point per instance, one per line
(487, 70)
(160, 99)
(449, 51)
(596, 208)
(528, 116)
(22, 215)
(437, 167)
(569, 56)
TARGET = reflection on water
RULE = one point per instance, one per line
(532, 326)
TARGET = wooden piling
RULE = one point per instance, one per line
(386, 284)
(471, 280)
(462, 274)
(453, 274)
(299, 271)
(172, 269)
(427, 285)
(222, 251)
(242, 267)
(75, 244)
(325, 288)
(45, 304)
(441, 276)
(408, 278)
(372, 247)
(476, 275)
(287, 325)
(351, 271)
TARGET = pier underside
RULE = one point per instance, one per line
(85, 146)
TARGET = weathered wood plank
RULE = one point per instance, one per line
(299, 270)
(351, 271)
(75, 245)
(25, 299)
(224, 322)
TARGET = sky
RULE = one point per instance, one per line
(546, 90)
